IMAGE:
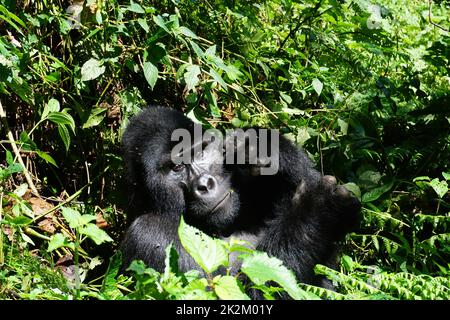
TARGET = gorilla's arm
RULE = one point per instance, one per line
(148, 237)
(304, 232)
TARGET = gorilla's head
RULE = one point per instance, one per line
(200, 188)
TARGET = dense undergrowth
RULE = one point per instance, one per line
(362, 86)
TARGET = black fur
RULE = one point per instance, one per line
(296, 215)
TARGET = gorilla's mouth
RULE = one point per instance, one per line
(221, 202)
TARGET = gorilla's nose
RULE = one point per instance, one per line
(204, 185)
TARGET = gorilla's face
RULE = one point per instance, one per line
(202, 185)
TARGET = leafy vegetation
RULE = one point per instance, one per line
(362, 86)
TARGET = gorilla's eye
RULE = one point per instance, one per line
(177, 167)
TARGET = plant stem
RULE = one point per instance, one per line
(16, 152)
(77, 266)
(2, 258)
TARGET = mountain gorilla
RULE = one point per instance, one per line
(296, 214)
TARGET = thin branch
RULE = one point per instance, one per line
(292, 32)
(16, 151)
(431, 21)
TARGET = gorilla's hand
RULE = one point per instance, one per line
(331, 205)
(243, 148)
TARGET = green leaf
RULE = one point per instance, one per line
(212, 102)
(421, 178)
(21, 190)
(446, 175)
(26, 142)
(72, 217)
(187, 32)
(171, 261)
(95, 233)
(227, 288)
(19, 221)
(440, 187)
(353, 188)
(150, 73)
(144, 25)
(9, 157)
(92, 69)
(286, 97)
(218, 78)
(209, 253)
(191, 76)
(65, 136)
(134, 7)
(159, 20)
(261, 268)
(317, 85)
(46, 157)
(198, 51)
(57, 241)
(109, 284)
(62, 118)
(374, 194)
(51, 106)
(233, 73)
(96, 116)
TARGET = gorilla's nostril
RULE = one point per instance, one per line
(210, 184)
(202, 188)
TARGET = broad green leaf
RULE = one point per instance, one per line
(422, 178)
(318, 86)
(65, 136)
(95, 233)
(353, 188)
(446, 175)
(199, 52)
(191, 76)
(150, 73)
(26, 142)
(86, 218)
(144, 25)
(51, 106)
(109, 284)
(171, 261)
(287, 98)
(212, 102)
(218, 78)
(343, 125)
(96, 116)
(92, 69)
(187, 32)
(440, 187)
(61, 118)
(374, 194)
(46, 157)
(57, 241)
(261, 268)
(227, 288)
(26, 238)
(134, 7)
(21, 190)
(233, 73)
(13, 168)
(9, 157)
(159, 20)
(19, 221)
(211, 51)
(72, 217)
(209, 253)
